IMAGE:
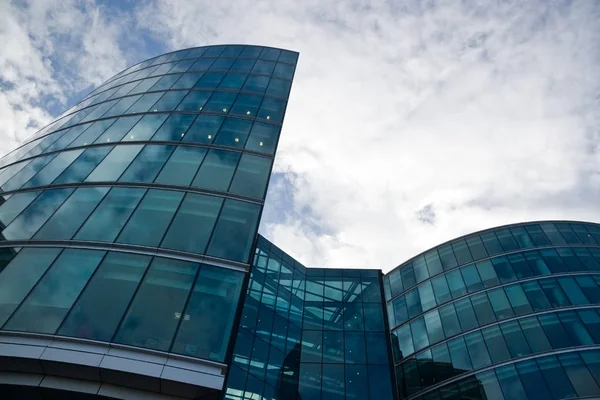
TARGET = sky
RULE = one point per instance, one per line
(410, 122)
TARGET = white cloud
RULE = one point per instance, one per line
(51, 51)
(480, 113)
(485, 111)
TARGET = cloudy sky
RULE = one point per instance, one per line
(410, 121)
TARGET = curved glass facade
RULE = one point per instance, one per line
(505, 313)
(132, 218)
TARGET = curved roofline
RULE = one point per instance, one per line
(486, 230)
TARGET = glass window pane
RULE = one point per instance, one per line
(449, 320)
(520, 266)
(263, 138)
(272, 109)
(522, 237)
(246, 104)
(169, 101)
(554, 293)
(534, 334)
(217, 170)
(476, 247)
(517, 299)
(434, 327)
(483, 309)
(20, 275)
(147, 164)
(194, 101)
(181, 167)
(234, 234)
(511, 383)
(165, 82)
(83, 165)
(466, 315)
(487, 273)
(537, 263)
(187, 80)
(113, 165)
(376, 348)
(459, 354)
(251, 176)
(220, 102)
(441, 289)
(117, 130)
(514, 339)
(583, 382)
(405, 342)
(577, 332)
(27, 172)
(152, 217)
(477, 350)
(144, 103)
(400, 310)
(447, 257)
(233, 133)
(413, 303)
(208, 318)
(555, 331)
(100, 307)
(496, 344)
(533, 380)
(51, 299)
(356, 382)
(556, 378)
(456, 284)
(204, 129)
(256, 83)
(145, 128)
(193, 223)
(535, 295)
(471, 278)
(14, 205)
(174, 128)
(503, 269)
(109, 217)
(506, 239)
(157, 307)
(500, 304)
(53, 169)
(309, 385)
(71, 214)
(279, 88)
(233, 81)
(573, 291)
(419, 334)
(34, 216)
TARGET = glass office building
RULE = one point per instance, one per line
(129, 224)
(130, 266)
(507, 313)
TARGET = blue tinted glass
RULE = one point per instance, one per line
(251, 176)
(456, 284)
(510, 383)
(46, 306)
(152, 217)
(256, 83)
(204, 129)
(109, 217)
(279, 88)
(515, 340)
(535, 295)
(263, 138)
(554, 293)
(71, 214)
(147, 164)
(27, 172)
(487, 273)
(144, 85)
(579, 375)
(234, 133)
(83, 165)
(14, 205)
(427, 296)
(222, 64)
(433, 324)
(441, 289)
(169, 101)
(477, 350)
(533, 380)
(522, 237)
(234, 234)
(233, 81)
(578, 333)
(471, 278)
(284, 71)
(36, 214)
(459, 354)
(518, 299)
(555, 331)
(121, 106)
(144, 103)
(272, 109)
(555, 377)
(212, 303)
(145, 128)
(20, 275)
(449, 320)
(217, 170)
(193, 223)
(194, 101)
(220, 102)
(243, 65)
(181, 167)
(113, 165)
(117, 130)
(357, 385)
(503, 269)
(500, 304)
(434, 265)
(209, 80)
(491, 243)
(497, 348)
(419, 334)
(187, 81)
(447, 257)
(165, 82)
(333, 382)
(158, 305)
(466, 315)
(102, 304)
(174, 128)
(483, 308)
(92, 133)
(354, 343)
(309, 386)
(573, 291)
(413, 303)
